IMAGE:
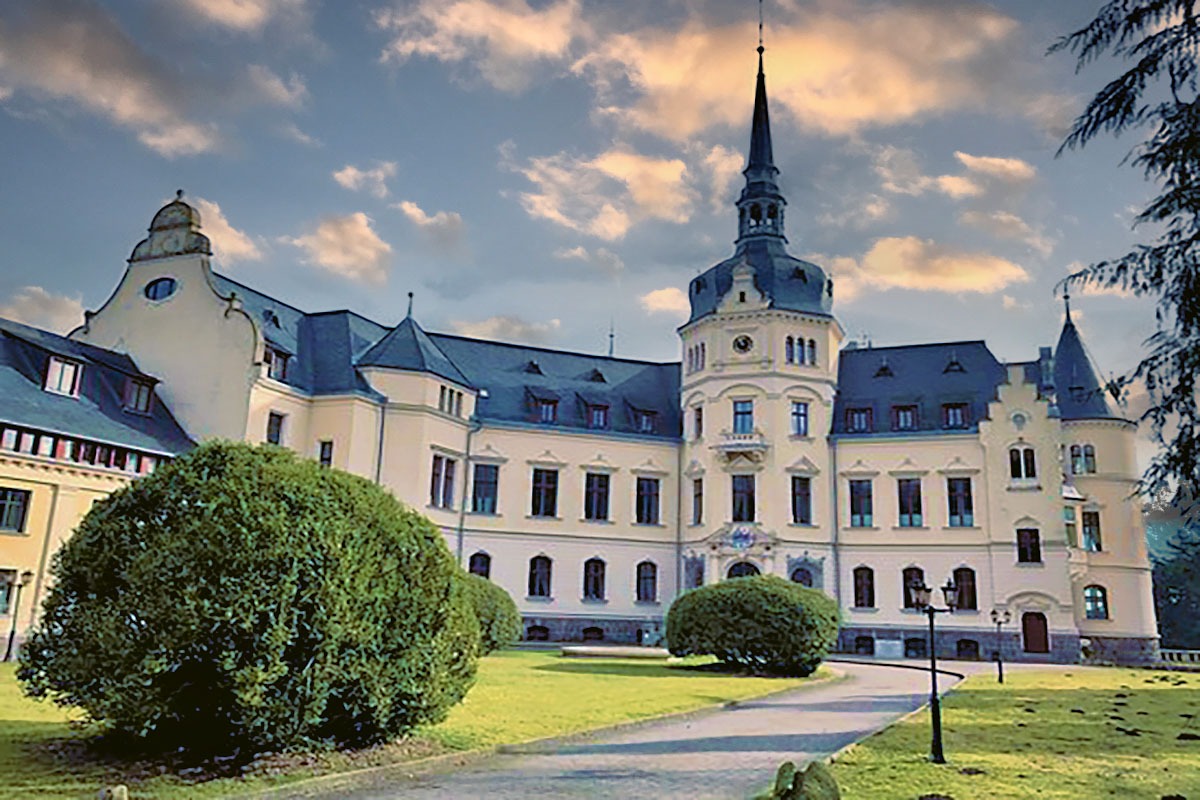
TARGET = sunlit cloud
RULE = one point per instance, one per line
(602, 259)
(347, 246)
(229, 243)
(372, 180)
(1006, 225)
(509, 328)
(668, 300)
(245, 16)
(1010, 170)
(445, 229)
(293, 132)
(290, 93)
(39, 308)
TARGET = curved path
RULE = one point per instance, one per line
(725, 753)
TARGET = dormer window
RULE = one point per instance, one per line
(904, 418)
(62, 377)
(858, 420)
(954, 415)
(644, 421)
(598, 416)
(532, 368)
(137, 396)
(547, 410)
(277, 363)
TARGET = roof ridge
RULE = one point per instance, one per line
(874, 348)
(541, 349)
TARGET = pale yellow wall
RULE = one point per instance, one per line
(201, 346)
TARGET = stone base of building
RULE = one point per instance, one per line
(970, 644)
(1124, 651)
(588, 629)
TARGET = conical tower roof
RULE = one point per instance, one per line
(1080, 393)
(408, 347)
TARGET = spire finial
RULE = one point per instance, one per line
(179, 194)
(410, 299)
(612, 335)
(760, 31)
(1067, 302)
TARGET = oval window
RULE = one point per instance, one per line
(160, 289)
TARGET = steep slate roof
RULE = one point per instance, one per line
(98, 412)
(407, 346)
(922, 375)
(1078, 390)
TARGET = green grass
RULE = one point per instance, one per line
(519, 696)
(1046, 735)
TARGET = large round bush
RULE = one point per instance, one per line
(241, 597)
(762, 623)
(499, 620)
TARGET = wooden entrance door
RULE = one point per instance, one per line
(1034, 632)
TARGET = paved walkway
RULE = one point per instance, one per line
(726, 753)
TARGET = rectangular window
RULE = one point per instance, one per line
(697, 501)
(598, 416)
(904, 418)
(275, 427)
(864, 587)
(441, 484)
(1069, 523)
(645, 421)
(647, 501)
(545, 493)
(698, 421)
(137, 396)
(954, 415)
(1029, 546)
(8, 577)
(858, 420)
(743, 498)
(325, 453)
(595, 496)
(443, 398)
(801, 500)
(14, 509)
(958, 491)
(485, 488)
(909, 492)
(743, 416)
(277, 364)
(799, 418)
(1091, 531)
(861, 515)
(547, 410)
(62, 377)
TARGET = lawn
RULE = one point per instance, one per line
(1061, 735)
(519, 696)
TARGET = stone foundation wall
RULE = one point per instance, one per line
(1064, 648)
(1125, 651)
(572, 629)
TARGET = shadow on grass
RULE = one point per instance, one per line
(636, 670)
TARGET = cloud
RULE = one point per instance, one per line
(445, 228)
(857, 211)
(291, 131)
(1006, 225)
(722, 165)
(76, 52)
(1011, 303)
(229, 244)
(603, 260)
(901, 174)
(35, 306)
(291, 93)
(601, 196)
(347, 246)
(837, 68)
(1009, 170)
(921, 265)
(505, 40)
(372, 180)
(247, 16)
(669, 300)
(508, 328)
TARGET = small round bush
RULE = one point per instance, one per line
(762, 624)
(499, 620)
(243, 598)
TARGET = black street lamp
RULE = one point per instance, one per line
(17, 586)
(921, 597)
(1000, 618)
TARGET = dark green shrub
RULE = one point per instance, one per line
(763, 624)
(241, 597)
(499, 620)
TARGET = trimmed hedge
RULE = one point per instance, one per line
(499, 620)
(763, 624)
(241, 597)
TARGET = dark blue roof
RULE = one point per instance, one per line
(98, 412)
(788, 282)
(1078, 390)
(927, 376)
(407, 346)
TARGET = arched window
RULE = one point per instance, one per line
(812, 352)
(789, 350)
(647, 582)
(1076, 459)
(912, 576)
(702, 355)
(802, 576)
(1089, 459)
(801, 352)
(1095, 602)
(593, 634)
(1021, 463)
(593, 579)
(964, 579)
(481, 565)
(864, 587)
(539, 576)
(755, 214)
(967, 649)
(537, 633)
(742, 569)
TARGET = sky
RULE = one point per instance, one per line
(538, 170)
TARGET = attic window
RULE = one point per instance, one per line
(799, 274)
(954, 365)
(644, 421)
(277, 363)
(884, 370)
(699, 285)
(270, 317)
(62, 376)
(137, 396)
(596, 376)
(597, 416)
(547, 410)
(532, 368)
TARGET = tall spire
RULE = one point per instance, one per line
(761, 156)
(760, 207)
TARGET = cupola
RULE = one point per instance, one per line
(174, 231)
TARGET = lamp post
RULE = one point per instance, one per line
(14, 584)
(1000, 618)
(921, 597)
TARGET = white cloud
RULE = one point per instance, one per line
(244, 16)
(293, 132)
(445, 229)
(1011, 303)
(347, 246)
(5, 93)
(291, 93)
(508, 328)
(901, 174)
(229, 243)
(506, 40)
(1006, 225)
(372, 180)
(602, 259)
(35, 306)
(668, 300)
(858, 212)
(81, 55)
(722, 165)
(1010, 170)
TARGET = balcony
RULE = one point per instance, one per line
(750, 446)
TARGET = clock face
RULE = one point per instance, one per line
(743, 344)
(742, 538)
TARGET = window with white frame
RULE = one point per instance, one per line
(799, 418)
(441, 482)
(62, 376)
(137, 396)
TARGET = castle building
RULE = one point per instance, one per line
(595, 489)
